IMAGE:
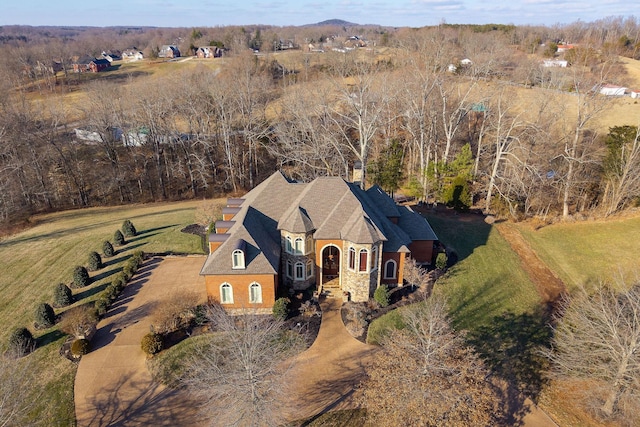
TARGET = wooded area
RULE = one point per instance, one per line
(462, 115)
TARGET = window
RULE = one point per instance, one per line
(309, 244)
(289, 246)
(363, 259)
(390, 269)
(238, 259)
(310, 271)
(299, 246)
(226, 294)
(374, 258)
(289, 268)
(299, 271)
(255, 293)
(352, 259)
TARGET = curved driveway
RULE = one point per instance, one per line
(113, 386)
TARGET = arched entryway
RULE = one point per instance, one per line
(330, 263)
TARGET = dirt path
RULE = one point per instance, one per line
(549, 286)
(325, 375)
(113, 386)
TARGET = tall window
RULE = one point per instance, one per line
(299, 246)
(226, 294)
(299, 271)
(310, 271)
(309, 245)
(289, 247)
(390, 269)
(255, 293)
(374, 258)
(238, 259)
(363, 259)
(352, 259)
(289, 268)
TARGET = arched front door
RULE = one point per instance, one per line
(330, 263)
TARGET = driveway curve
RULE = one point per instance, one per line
(113, 386)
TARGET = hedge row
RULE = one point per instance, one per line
(113, 290)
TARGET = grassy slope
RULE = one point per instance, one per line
(587, 252)
(35, 260)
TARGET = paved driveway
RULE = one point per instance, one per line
(113, 386)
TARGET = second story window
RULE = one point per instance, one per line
(299, 246)
(238, 259)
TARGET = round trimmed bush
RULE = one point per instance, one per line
(101, 305)
(128, 229)
(62, 295)
(118, 238)
(45, 316)
(80, 347)
(381, 295)
(281, 308)
(441, 261)
(110, 292)
(21, 341)
(107, 249)
(119, 281)
(81, 277)
(95, 261)
(151, 343)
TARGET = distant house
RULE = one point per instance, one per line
(635, 93)
(328, 234)
(98, 65)
(565, 47)
(612, 90)
(466, 62)
(209, 52)
(81, 65)
(132, 55)
(112, 55)
(555, 63)
(169, 51)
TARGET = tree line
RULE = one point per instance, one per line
(501, 132)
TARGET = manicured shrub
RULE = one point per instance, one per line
(128, 229)
(281, 308)
(95, 261)
(62, 295)
(441, 260)
(101, 306)
(151, 343)
(81, 277)
(107, 249)
(110, 292)
(137, 257)
(118, 238)
(381, 295)
(45, 316)
(119, 281)
(80, 347)
(21, 342)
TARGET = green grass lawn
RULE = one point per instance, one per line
(35, 260)
(588, 252)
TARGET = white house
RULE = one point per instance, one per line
(555, 63)
(635, 93)
(612, 90)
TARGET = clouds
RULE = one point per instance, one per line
(413, 13)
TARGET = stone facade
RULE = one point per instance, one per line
(290, 261)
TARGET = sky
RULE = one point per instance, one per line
(392, 13)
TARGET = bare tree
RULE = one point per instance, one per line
(622, 168)
(427, 376)
(241, 375)
(598, 338)
(16, 396)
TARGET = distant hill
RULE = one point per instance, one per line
(335, 22)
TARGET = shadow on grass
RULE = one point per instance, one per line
(126, 247)
(51, 336)
(105, 274)
(91, 291)
(113, 261)
(151, 230)
(510, 346)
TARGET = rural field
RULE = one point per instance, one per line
(36, 259)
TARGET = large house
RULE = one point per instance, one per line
(285, 236)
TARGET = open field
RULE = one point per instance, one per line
(590, 251)
(35, 260)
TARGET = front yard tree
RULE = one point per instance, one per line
(15, 390)
(598, 338)
(440, 382)
(239, 376)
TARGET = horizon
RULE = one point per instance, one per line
(284, 13)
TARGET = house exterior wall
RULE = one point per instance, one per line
(286, 257)
(359, 284)
(399, 259)
(422, 251)
(240, 284)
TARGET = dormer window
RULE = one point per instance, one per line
(289, 245)
(299, 246)
(238, 255)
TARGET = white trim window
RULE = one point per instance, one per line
(288, 245)
(363, 260)
(309, 245)
(299, 271)
(298, 246)
(226, 293)
(352, 259)
(255, 293)
(289, 269)
(310, 269)
(374, 259)
(390, 269)
(237, 258)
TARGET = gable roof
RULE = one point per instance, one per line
(329, 207)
